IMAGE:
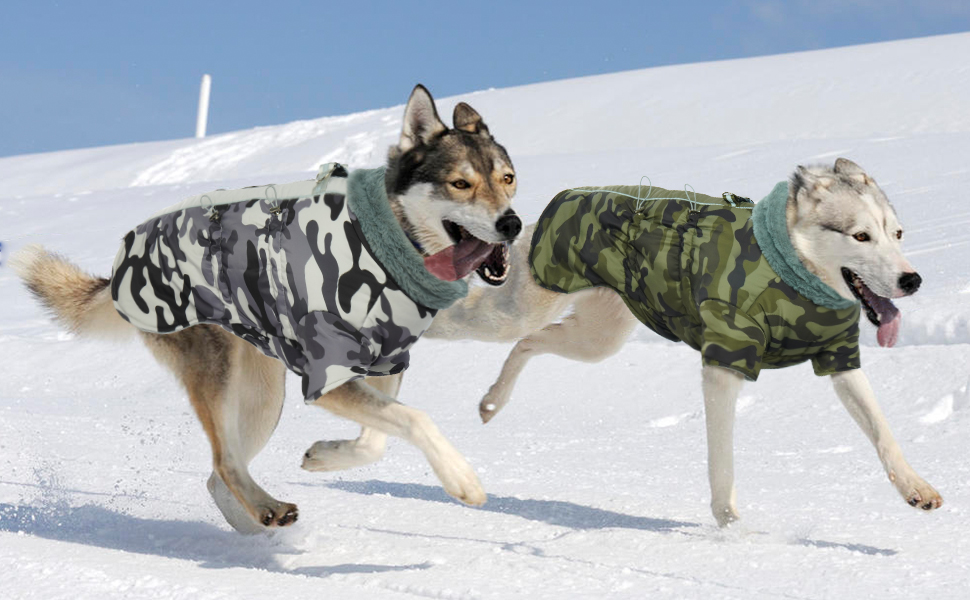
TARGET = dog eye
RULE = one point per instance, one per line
(899, 234)
(862, 236)
(461, 184)
(509, 178)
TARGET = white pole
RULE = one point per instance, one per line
(203, 118)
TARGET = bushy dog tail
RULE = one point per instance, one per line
(79, 301)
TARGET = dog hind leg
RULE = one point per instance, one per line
(237, 394)
(336, 455)
(368, 406)
(258, 387)
(597, 328)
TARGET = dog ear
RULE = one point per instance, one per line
(811, 180)
(467, 119)
(847, 168)
(844, 166)
(421, 121)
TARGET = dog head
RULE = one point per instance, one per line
(452, 189)
(846, 231)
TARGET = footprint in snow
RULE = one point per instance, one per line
(947, 405)
(744, 402)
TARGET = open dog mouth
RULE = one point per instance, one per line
(880, 310)
(490, 260)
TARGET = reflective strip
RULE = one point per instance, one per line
(286, 191)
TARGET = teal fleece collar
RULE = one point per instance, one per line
(367, 197)
(771, 231)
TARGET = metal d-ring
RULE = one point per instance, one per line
(274, 202)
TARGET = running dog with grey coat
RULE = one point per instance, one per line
(334, 278)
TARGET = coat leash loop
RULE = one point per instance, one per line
(687, 194)
(210, 210)
(640, 200)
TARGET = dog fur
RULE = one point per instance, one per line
(237, 392)
(826, 207)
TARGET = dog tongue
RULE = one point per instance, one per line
(455, 262)
(889, 318)
(888, 331)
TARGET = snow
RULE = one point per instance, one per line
(596, 473)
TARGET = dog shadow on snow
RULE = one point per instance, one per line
(215, 548)
(566, 514)
(553, 512)
(209, 546)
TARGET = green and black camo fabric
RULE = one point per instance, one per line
(691, 270)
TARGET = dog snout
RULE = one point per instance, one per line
(910, 282)
(509, 224)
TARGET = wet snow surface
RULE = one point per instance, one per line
(596, 473)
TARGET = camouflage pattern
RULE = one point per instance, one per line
(293, 275)
(691, 270)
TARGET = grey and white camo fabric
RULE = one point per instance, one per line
(289, 269)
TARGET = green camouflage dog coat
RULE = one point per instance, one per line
(691, 270)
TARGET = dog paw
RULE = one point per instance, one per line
(491, 404)
(235, 513)
(725, 515)
(926, 498)
(279, 514)
(487, 410)
(917, 492)
(337, 455)
(459, 480)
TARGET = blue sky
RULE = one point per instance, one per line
(79, 74)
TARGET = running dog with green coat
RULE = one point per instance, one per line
(749, 286)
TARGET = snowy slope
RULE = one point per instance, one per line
(596, 473)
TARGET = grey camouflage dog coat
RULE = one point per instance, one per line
(318, 274)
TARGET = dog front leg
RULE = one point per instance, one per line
(338, 455)
(856, 394)
(721, 387)
(597, 329)
(367, 448)
(370, 407)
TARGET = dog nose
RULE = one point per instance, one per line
(909, 282)
(509, 224)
